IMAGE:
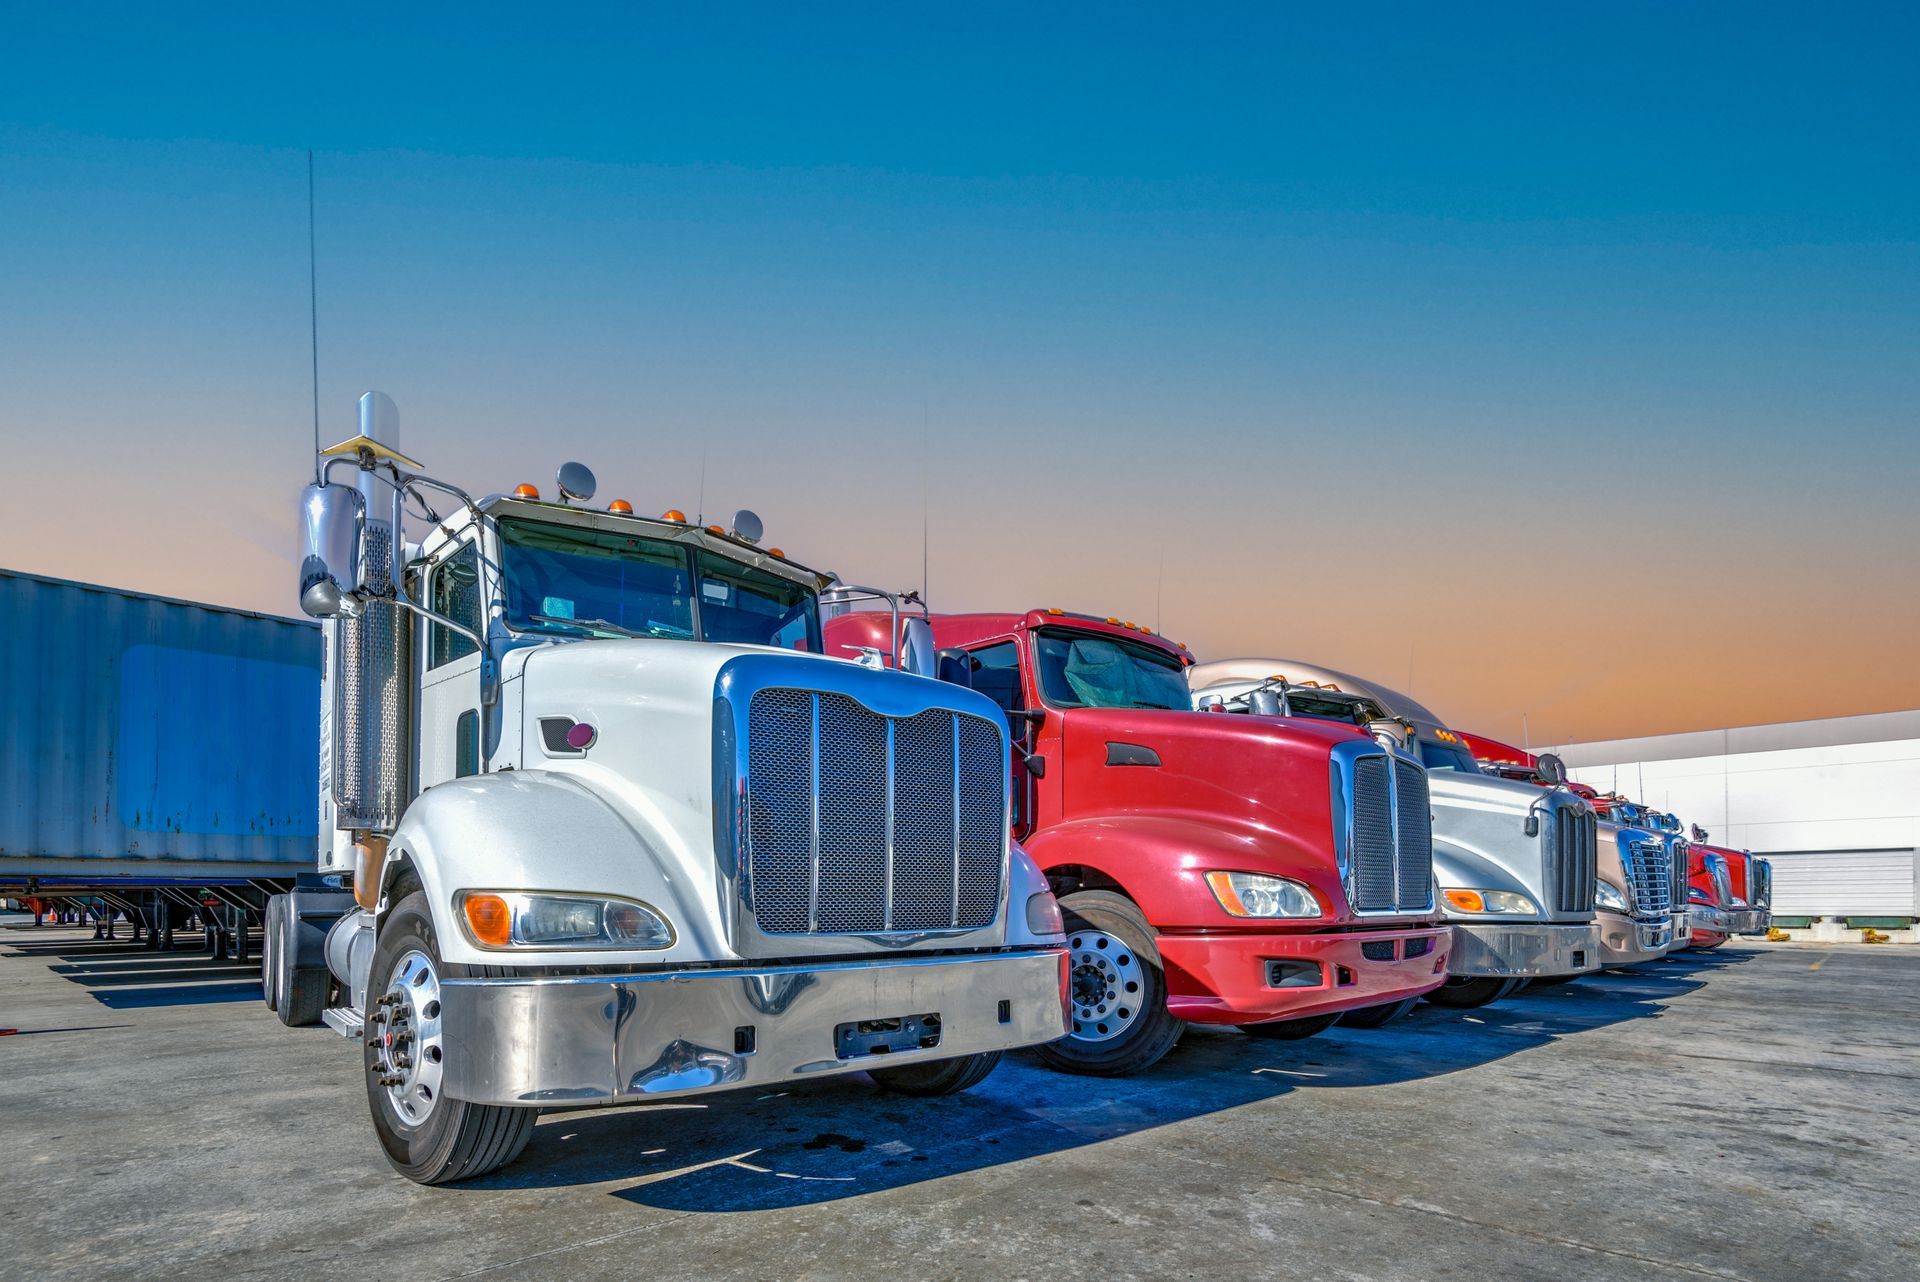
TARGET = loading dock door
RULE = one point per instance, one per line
(1843, 883)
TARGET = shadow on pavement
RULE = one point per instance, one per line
(845, 1137)
(122, 975)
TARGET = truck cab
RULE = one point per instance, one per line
(602, 824)
(1261, 872)
(1635, 891)
(1748, 893)
(1516, 865)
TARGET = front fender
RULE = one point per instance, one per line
(537, 830)
(1458, 867)
(1161, 863)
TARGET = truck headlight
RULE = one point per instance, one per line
(1697, 896)
(1252, 894)
(519, 919)
(1607, 895)
(1491, 901)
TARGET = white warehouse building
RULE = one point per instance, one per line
(1834, 804)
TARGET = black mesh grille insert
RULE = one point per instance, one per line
(857, 822)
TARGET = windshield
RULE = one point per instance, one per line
(574, 581)
(1435, 755)
(1081, 670)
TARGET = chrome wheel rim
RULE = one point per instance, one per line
(1108, 985)
(405, 1028)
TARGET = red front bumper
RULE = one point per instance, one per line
(1250, 979)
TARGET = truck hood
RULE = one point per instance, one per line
(1480, 840)
(1256, 790)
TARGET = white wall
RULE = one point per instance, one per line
(1840, 820)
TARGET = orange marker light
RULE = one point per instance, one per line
(1111, 619)
(526, 491)
(716, 529)
(490, 920)
(674, 514)
(1056, 613)
(1467, 901)
(621, 507)
(777, 552)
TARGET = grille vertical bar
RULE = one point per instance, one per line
(1576, 858)
(859, 823)
(1373, 871)
(1413, 836)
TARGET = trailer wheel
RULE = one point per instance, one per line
(428, 1137)
(299, 993)
(1465, 994)
(1374, 1016)
(1291, 1030)
(269, 963)
(1119, 991)
(941, 1077)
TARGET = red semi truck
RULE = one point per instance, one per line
(1710, 898)
(1257, 871)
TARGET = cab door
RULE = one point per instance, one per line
(450, 705)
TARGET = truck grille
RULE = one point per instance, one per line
(1649, 880)
(1390, 829)
(1759, 882)
(1722, 880)
(859, 823)
(1576, 858)
(1677, 887)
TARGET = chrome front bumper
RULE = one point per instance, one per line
(1524, 948)
(1749, 921)
(1624, 941)
(600, 1039)
(1682, 927)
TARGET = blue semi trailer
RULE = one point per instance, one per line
(156, 756)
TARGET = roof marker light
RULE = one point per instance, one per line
(777, 552)
(1055, 611)
(526, 491)
(620, 506)
(675, 515)
(715, 529)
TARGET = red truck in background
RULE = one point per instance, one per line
(1709, 896)
(1263, 872)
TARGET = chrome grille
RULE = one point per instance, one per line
(1722, 879)
(1649, 886)
(1759, 882)
(1677, 888)
(1389, 829)
(858, 822)
(1576, 858)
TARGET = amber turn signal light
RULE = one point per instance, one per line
(490, 920)
(1467, 901)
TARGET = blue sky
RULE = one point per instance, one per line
(1432, 306)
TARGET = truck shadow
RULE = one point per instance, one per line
(122, 975)
(845, 1137)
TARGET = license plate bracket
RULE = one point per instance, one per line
(862, 1038)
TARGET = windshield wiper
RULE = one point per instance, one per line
(589, 626)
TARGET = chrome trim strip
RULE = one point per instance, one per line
(886, 887)
(953, 916)
(813, 874)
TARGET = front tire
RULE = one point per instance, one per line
(1291, 1030)
(1120, 1019)
(428, 1137)
(1374, 1016)
(940, 1077)
(1467, 994)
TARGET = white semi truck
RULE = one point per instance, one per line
(600, 824)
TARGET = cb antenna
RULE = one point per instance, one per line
(313, 317)
(700, 507)
(925, 432)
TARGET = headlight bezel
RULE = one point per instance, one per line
(1233, 888)
(478, 921)
(1510, 903)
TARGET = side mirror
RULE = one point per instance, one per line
(1699, 833)
(1264, 702)
(917, 654)
(956, 668)
(1550, 768)
(331, 520)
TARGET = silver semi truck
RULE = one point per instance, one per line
(599, 823)
(1516, 864)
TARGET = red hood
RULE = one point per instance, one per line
(1248, 793)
